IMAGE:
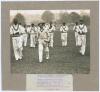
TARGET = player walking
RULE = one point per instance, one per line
(16, 32)
(43, 39)
(82, 33)
(64, 30)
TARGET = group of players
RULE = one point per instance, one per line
(42, 36)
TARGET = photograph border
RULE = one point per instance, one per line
(82, 82)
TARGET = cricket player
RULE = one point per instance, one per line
(16, 32)
(43, 40)
(24, 36)
(82, 33)
(77, 37)
(32, 35)
(64, 30)
(51, 33)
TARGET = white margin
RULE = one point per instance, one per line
(0, 51)
(48, 0)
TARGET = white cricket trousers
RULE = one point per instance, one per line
(64, 39)
(51, 39)
(42, 45)
(83, 44)
(77, 39)
(25, 36)
(40, 52)
(32, 40)
(17, 47)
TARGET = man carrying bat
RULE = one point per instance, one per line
(43, 40)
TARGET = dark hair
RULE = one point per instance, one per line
(32, 24)
(25, 25)
(63, 23)
(19, 23)
(81, 21)
(15, 21)
(76, 23)
(38, 24)
(43, 24)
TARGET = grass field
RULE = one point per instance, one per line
(62, 59)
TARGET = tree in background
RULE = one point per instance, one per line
(47, 16)
(20, 19)
(74, 17)
(63, 17)
(86, 19)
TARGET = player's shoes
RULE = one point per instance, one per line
(40, 61)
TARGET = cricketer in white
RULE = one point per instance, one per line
(43, 40)
(16, 32)
(64, 30)
(82, 35)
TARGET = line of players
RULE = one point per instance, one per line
(42, 35)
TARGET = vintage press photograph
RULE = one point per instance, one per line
(50, 41)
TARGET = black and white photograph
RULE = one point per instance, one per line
(50, 41)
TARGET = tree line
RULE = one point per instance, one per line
(48, 16)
